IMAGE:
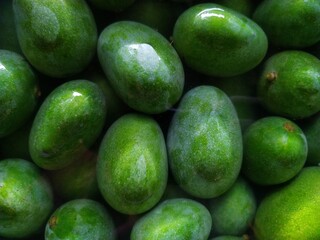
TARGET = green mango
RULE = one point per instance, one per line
(26, 199)
(217, 41)
(132, 168)
(291, 212)
(289, 84)
(229, 238)
(205, 143)
(245, 7)
(233, 212)
(18, 92)
(178, 218)
(57, 37)
(290, 24)
(80, 219)
(68, 122)
(141, 65)
(112, 5)
(275, 150)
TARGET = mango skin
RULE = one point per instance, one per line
(80, 219)
(178, 218)
(292, 211)
(142, 66)
(68, 122)
(289, 84)
(217, 41)
(132, 168)
(57, 37)
(289, 24)
(275, 150)
(26, 198)
(204, 143)
(18, 93)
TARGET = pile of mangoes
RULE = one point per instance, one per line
(160, 119)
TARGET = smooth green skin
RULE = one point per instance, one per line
(294, 89)
(204, 143)
(245, 7)
(57, 37)
(142, 66)
(8, 36)
(290, 24)
(68, 122)
(311, 129)
(132, 168)
(177, 219)
(80, 219)
(275, 150)
(18, 92)
(217, 41)
(26, 199)
(291, 212)
(233, 212)
(112, 5)
(228, 238)
(78, 180)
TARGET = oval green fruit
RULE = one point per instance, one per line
(174, 219)
(68, 122)
(57, 37)
(142, 66)
(292, 211)
(218, 41)
(18, 92)
(132, 166)
(289, 84)
(205, 143)
(80, 219)
(26, 199)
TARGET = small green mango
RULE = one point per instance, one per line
(292, 212)
(26, 199)
(80, 219)
(178, 218)
(18, 92)
(132, 168)
(217, 41)
(205, 143)
(68, 122)
(57, 37)
(142, 66)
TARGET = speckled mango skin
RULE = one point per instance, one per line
(57, 37)
(289, 84)
(132, 168)
(204, 143)
(217, 41)
(112, 5)
(26, 199)
(80, 219)
(68, 122)
(177, 219)
(18, 92)
(290, 24)
(292, 211)
(142, 66)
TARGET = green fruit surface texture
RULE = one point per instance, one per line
(57, 37)
(174, 219)
(293, 211)
(275, 150)
(205, 143)
(18, 92)
(141, 65)
(233, 212)
(290, 24)
(289, 84)
(68, 122)
(218, 41)
(80, 219)
(26, 199)
(132, 168)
